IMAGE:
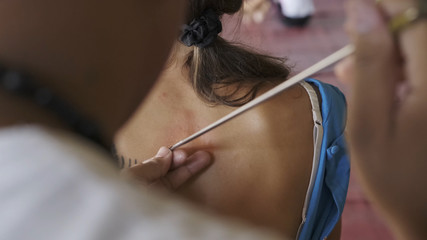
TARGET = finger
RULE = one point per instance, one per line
(375, 71)
(179, 158)
(152, 169)
(193, 166)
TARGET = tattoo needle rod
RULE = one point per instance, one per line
(331, 59)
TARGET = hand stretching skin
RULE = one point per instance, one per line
(387, 126)
(168, 170)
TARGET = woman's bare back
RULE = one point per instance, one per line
(262, 159)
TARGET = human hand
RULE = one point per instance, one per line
(168, 170)
(387, 111)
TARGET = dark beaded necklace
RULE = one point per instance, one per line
(21, 84)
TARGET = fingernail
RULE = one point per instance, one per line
(179, 157)
(163, 152)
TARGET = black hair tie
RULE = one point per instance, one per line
(202, 31)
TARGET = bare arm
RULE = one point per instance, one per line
(387, 128)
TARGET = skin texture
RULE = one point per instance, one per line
(387, 116)
(261, 160)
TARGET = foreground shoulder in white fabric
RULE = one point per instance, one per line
(54, 185)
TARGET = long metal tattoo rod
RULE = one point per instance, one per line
(396, 24)
(331, 59)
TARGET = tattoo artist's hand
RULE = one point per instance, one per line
(169, 170)
(387, 112)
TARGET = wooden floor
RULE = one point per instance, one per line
(304, 47)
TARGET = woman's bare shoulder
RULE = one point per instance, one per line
(270, 147)
(287, 115)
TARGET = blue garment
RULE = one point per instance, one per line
(326, 203)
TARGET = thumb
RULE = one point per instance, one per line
(153, 168)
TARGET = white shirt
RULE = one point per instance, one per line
(54, 185)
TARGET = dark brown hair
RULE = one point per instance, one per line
(226, 73)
